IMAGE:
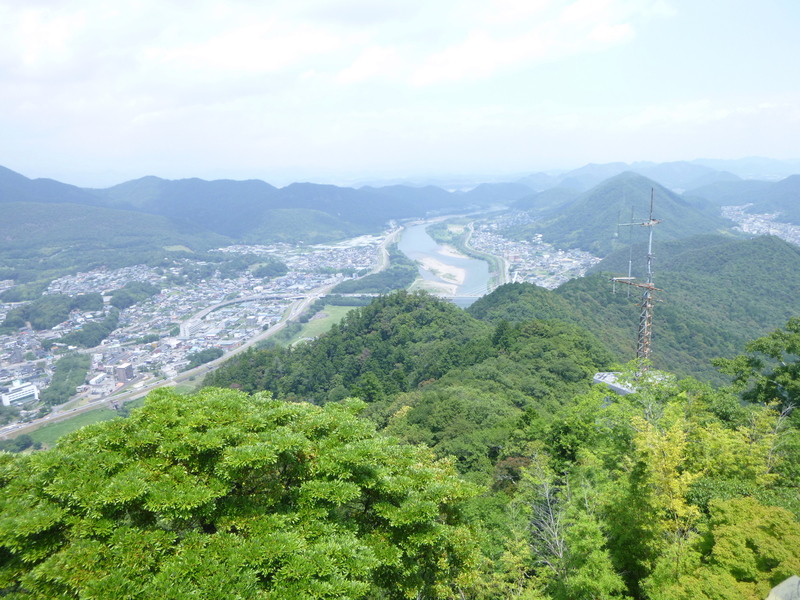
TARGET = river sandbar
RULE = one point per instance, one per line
(437, 288)
(446, 250)
(447, 272)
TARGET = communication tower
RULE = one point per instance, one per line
(645, 335)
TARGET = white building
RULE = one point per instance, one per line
(98, 379)
(18, 391)
(189, 328)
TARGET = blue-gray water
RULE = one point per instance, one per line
(417, 244)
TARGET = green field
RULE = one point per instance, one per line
(49, 434)
(317, 327)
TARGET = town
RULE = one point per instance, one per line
(156, 339)
(533, 261)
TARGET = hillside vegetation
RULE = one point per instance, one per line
(583, 495)
(590, 222)
(765, 196)
(717, 294)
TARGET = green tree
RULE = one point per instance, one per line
(235, 496)
(202, 357)
(745, 550)
(770, 366)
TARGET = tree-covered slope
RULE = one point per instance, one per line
(496, 193)
(250, 210)
(18, 188)
(731, 193)
(39, 240)
(418, 352)
(428, 197)
(245, 208)
(717, 294)
(305, 225)
(783, 197)
(547, 201)
(765, 196)
(591, 221)
(223, 206)
(400, 340)
(676, 491)
(36, 225)
(584, 495)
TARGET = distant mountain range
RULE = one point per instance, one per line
(766, 197)
(677, 176)
(245, 210)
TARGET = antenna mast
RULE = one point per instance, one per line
(648, 291)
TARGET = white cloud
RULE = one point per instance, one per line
(256, 47)
(611, 34)
(587, 10)
(517, 34)
(244, 83)
(36, 40)
(375, 61)
(511, 11)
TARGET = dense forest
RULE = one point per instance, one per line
(401, 273)
(716, 296)
(591, 221)
(678, 490)
(70, 372)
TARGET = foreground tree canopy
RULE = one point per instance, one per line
(224, 495)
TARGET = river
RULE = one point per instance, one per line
(461, 278)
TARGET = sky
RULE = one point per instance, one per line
(94, 93)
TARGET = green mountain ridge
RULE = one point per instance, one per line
(39, 240)
(243, 209)
(591, 221)
(717, 294)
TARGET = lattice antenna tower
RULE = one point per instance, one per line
(645, 334)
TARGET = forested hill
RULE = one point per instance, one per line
(590, 222)
(236, 208)
(764, 196)
(402, 341)
(39, 241)
(717, 294)
(18, 188)
(480, 463)
(582, 495)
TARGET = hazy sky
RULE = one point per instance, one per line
(95, 92)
